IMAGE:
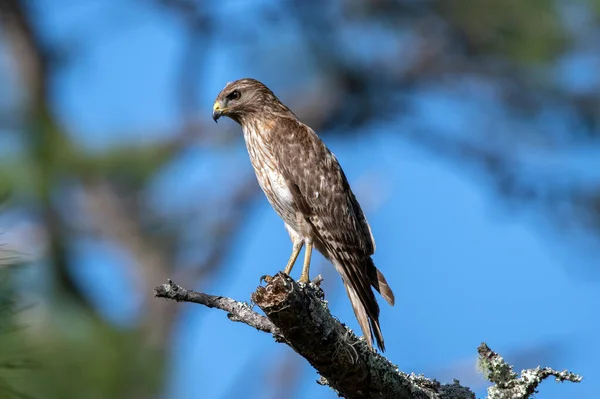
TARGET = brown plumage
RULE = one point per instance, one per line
(306, 186)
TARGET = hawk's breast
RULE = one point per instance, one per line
(269, 178)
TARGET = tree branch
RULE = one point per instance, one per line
(236, 311)
(507, 384)
(297, 315)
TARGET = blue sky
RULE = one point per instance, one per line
(464, 267)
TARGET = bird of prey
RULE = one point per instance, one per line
(306, 186)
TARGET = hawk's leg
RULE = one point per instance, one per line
(307, 253)
(298, 243)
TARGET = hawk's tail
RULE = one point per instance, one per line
(379, 282)
(358, 280)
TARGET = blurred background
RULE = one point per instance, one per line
(469, 130)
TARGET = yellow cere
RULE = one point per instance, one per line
(216, 106)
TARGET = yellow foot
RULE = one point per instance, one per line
(266, 278)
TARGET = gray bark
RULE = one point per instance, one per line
(297, 315)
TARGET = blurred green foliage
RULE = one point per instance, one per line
(72, 355)
(15, 360)
(100, 361)
(520, 31)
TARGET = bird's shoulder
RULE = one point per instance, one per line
(304, 158)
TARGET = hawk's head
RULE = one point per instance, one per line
(246, 98)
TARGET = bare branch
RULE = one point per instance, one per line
(302, 320)
(236, 311)
(298, 316)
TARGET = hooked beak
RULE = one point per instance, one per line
(217, 110)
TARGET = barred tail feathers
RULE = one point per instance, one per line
(368, 324)
(358, 279)
(379, 282)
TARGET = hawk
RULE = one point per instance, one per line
(306, 186)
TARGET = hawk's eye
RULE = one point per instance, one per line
(234, 95)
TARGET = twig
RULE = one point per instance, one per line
(507, 384)
(236, 311)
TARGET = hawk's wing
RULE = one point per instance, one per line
(320, 187)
